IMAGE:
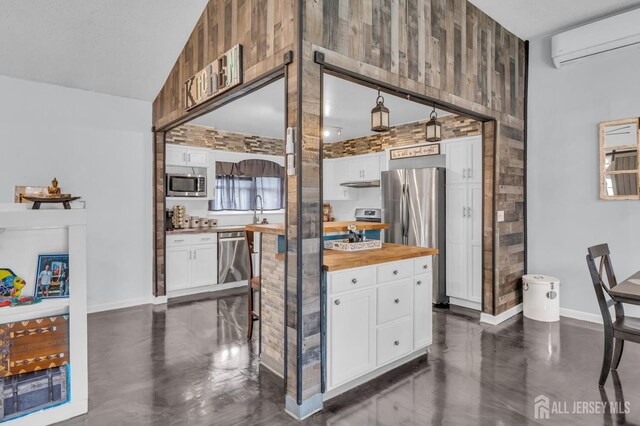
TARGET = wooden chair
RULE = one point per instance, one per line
(253, 284)
(622, 328)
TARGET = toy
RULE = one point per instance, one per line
(11, 285)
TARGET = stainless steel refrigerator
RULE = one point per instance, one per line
(413, 204)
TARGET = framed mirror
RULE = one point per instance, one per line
(619, 166)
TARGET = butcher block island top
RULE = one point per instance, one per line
(334, 260)
(328, 227)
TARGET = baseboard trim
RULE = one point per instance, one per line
(270, 364)
(582, 316)
(92, 309)
(465, 303)
(204, 289)
(497, 319)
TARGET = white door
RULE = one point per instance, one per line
(197, 158)
(371, 167)
(341, 170)
(178, 268)
(422, 299)
(474, 174)
(352, 335)
(205, 266)
(175, 155)
(457, 161)
(475, 242)
(457, 240)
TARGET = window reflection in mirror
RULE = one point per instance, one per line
(621, 160)
(622, 184)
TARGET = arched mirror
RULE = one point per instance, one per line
(619, 167)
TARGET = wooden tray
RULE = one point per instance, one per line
(50, 200)
(345, 245)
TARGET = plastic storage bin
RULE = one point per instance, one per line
(541, 294)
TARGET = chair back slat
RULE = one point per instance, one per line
(598, 275)
(249, 236)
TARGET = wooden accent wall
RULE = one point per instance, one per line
(207, 137)
(451, 52)
(265, 29)
(453, 126)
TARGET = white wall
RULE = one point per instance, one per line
(565, 215)
(99, 147)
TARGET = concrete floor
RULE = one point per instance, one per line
(190, 364)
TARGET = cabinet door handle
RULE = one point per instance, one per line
(178, 241)
(189, 157)
(469, 173)
(355, 281)
(395, 272)
(419, 283)
(397, 343)
(464, 212)
(190, 253)
(396, 301)
(425, 266)
(464, 173)
(337, 302)
(195, 255)
(468, 211)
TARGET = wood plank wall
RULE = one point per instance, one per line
(265, 29)
(450, 51)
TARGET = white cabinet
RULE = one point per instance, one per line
(364, 167)
(335, 172)
(178, 155)
(375, 315)
(192, 261)
(351, 335)
(464, 222)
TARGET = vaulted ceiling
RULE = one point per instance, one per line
(127, 47)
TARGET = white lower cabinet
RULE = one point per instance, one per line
(373, 320)
(351, 334)
(192, 261)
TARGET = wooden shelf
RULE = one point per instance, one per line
(46, 308)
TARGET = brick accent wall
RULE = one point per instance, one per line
(207, 137)
(453, 126)
(272, 300)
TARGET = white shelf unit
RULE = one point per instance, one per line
(72, 224)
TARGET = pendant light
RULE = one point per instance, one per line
(380, 116)
(434, 128)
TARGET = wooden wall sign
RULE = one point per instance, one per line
(415, 151)
(216, 78)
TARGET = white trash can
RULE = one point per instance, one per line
(541, 294)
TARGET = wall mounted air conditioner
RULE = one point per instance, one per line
(605, 35)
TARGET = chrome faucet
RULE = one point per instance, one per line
(255, 208)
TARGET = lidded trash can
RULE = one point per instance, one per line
(541, 294)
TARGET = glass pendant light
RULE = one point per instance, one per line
(434, 128)
(380, 116)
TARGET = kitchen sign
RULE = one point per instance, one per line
(415, 151)
(219, 76)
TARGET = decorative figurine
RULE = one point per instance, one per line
(11, 285)
(54, 191)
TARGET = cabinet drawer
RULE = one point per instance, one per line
(179, 240)
(395, 301)
(394, 340)
(352, 279)
(423, 265)
(394, 271)
(207, 238)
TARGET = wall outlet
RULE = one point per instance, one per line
(501, 216)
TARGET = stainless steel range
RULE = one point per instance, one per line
(368, 215)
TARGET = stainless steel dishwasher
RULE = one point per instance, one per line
(232, 257)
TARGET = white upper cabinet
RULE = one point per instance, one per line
(178, 155)
(364, 168)
(335, 172)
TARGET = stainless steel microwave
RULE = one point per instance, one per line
(186, 185)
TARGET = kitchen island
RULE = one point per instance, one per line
(377, 307)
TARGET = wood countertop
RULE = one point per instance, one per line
(210, 230)
(329, 227)
(335, 260)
